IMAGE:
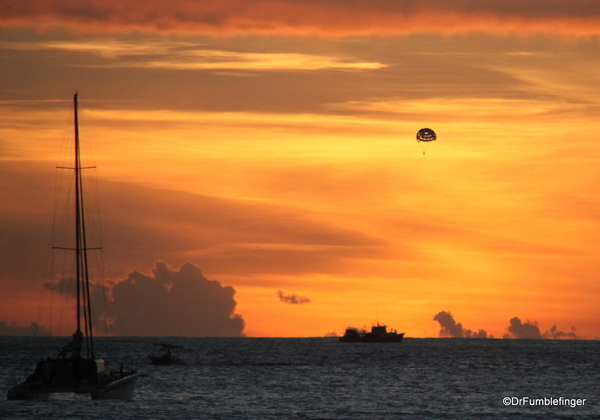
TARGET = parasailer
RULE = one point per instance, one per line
(426, 134)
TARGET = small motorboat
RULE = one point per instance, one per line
(163, 355)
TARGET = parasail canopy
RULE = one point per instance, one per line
(426, 134)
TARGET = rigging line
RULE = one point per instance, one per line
(50, 270)
(59, 225)
(100, 261)
(51, 292)
(99, 268)
(60, 217)
(64, 296)
(42, 297)
(65, 288)
(96, 221)
(85, 319)
(84, 137)
(46, 293)
(102, 278)
(86, 147)
(86, 282)
(59, 188)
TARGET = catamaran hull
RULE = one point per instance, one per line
(20, 392)
(120, 389)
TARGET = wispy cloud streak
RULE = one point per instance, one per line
(308, 17)
(293, 299)
(190, 56)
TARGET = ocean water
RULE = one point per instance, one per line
(320, 378)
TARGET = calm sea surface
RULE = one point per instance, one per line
(320, 378)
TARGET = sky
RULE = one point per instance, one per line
(257, 168)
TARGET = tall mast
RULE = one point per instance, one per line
(77, 214)
(82, 274)
(84, 308)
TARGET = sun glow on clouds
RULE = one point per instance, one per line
(479, 109)
(189, 56)
(308, 17)
(224, 60)
(398, 220)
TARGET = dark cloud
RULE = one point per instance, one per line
(530, 329)
(518, 329)
(450, 328)
(307, 17)
(66, 286)
(167, 303)
(174, 302)
(294, 299)
(13, 329)
(554, 333)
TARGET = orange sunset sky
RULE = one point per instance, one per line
(271, 144)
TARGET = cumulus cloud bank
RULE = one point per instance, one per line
(169, 302)
(516, 329)
(13, 329)
(174, 302)
(450, 328)
(530, 329)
